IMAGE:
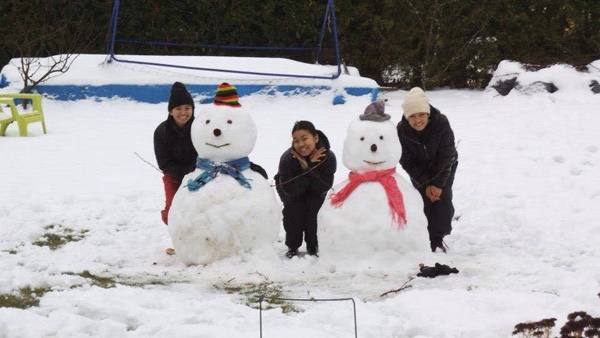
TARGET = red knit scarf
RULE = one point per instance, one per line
(386, 178)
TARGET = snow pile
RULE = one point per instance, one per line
(91, 76)
(559, 78)
(94, 70)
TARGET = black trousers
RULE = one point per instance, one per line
(440, 213)
(300, 218)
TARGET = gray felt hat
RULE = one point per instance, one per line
(375, 112)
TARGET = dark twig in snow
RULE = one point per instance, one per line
(403, 287)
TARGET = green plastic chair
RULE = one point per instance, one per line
(6, 118)
(22, 118)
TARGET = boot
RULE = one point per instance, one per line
(438, 243)
(291, 253)
(313, 251)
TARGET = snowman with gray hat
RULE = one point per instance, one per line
(375, 210)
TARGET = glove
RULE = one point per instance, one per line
(437, 270)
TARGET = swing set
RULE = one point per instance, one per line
(329, 20)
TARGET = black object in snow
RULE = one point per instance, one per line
(434, 271)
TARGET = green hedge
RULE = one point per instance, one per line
(431, 43)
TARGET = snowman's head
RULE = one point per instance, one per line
(371, 142)
(223, 132)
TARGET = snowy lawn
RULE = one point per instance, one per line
(80, 225)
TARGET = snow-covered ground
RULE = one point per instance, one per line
(526, 242)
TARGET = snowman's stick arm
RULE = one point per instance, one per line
(297, 176)
(148, 163)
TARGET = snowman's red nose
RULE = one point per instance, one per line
(217, 132)
(373, 147)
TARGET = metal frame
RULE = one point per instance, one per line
(328, 17)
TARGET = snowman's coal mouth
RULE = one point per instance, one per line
(216, 146)
(373, 163)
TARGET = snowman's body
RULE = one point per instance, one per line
(223, 217)
(362, 224)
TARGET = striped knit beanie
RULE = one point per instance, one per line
(226, 95)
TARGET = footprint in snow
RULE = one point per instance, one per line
(587, 163)
(575, 171)
(558, 159)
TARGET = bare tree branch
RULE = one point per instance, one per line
(47, 48)
(404, 286)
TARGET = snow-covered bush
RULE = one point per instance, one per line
(528, 79)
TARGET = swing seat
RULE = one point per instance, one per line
(23, 119)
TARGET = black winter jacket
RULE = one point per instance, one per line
(315, 183)
(175, 153)
(428, 155)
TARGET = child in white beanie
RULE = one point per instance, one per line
(429, 157)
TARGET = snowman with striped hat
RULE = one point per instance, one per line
(225, 206)
(375, 211)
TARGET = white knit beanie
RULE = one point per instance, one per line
(415, 102)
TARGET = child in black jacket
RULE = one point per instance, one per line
(175, 153)
(305, 175)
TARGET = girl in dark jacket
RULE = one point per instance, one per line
(429, 157)
(175, 153)
(305, 175)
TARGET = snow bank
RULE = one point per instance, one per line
(559, 78)
(91, 75)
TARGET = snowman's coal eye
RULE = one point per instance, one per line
(381, 137)
(362, 138)
(207, 121)
(229, 121)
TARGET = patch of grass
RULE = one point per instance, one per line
(108, 282)
(58, 235)
(25, 298)
(252, 292)
(100, 281)
(103, 282)
(154, 281)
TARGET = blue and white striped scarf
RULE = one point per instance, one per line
(211, 170)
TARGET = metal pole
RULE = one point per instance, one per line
(114, 18)
(260, 299)
(322, 33)
(355, 325)
(335, 40)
